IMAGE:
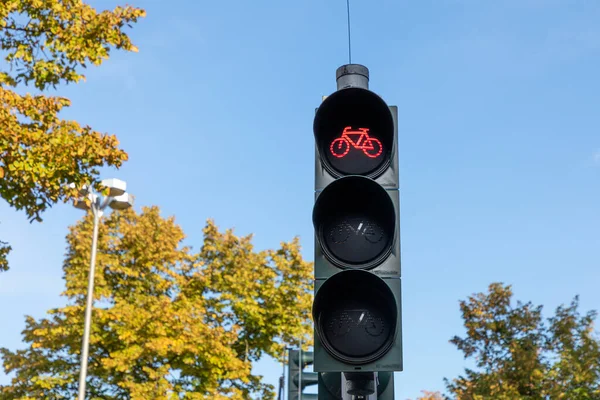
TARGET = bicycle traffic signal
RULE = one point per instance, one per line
(298, 379)
(355, 133)
(357, 305)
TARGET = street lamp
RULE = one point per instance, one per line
(117, 199)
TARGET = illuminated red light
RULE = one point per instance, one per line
(359, 139)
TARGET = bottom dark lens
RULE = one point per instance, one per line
(355, 314)
(356, 329)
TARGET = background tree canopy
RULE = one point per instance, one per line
(519, 355)
(44, 44)
(168, 323)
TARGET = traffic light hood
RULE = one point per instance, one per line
(355, 222)
(354, 133)
(355, 316)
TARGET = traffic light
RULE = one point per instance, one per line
(357, 305)
(298, 379)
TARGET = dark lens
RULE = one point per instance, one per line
(356, 329)
(355, 222)
(355, 313)
(356, 238)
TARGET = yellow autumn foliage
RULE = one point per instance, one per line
(169, 323)
(45, 44)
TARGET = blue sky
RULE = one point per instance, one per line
(499, 135)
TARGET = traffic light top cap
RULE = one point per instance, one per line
(352, 75)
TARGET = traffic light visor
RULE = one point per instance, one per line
(355, 223)
(354, 132)
(355, 316)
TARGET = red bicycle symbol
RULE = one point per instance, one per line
(359, 139)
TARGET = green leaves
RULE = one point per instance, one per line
(521, 356)
(430, 396)
(172, 322)
(4, 250)
(41, 156)
(56, 37)
(45, 42)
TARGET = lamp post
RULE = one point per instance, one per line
(117, 199)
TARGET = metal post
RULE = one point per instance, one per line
(97, 212)
(360, 385)
(300, 371)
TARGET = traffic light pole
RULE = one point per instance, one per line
(298, 380)
(300, 371)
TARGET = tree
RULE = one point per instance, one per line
(518, 355)
(46, 43)
(430, 395)
(168, 323)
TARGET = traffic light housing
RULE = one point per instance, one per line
(357, 305)
(356, 108)
(356, 227)
(298, 380)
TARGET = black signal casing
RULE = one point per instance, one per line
(357, 309)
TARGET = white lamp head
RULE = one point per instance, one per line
(115, 186)
(121, 202)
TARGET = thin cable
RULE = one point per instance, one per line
(349, 43)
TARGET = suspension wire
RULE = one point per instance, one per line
(349, 43)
